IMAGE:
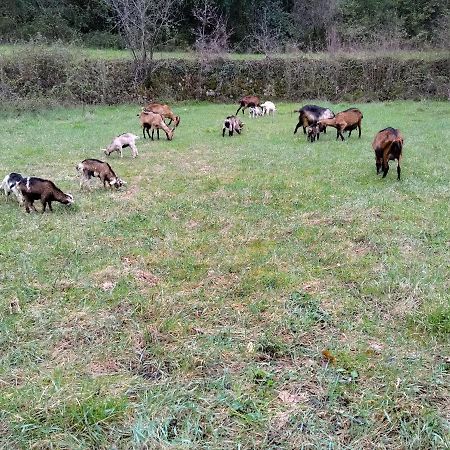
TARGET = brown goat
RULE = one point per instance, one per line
(247, 101)
(33, 188)
(347, 120)
(387, 145)
(95, 168)
(164, 111)
(153, 121)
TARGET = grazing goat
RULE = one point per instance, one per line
(95, 168)
(247, 101)
(387, 145)
(313, 133)
(8, 184)
(33, 189)
(153, 121)
(310, 115)
(232, 123)
(165, 111)
(347, 120)
(255, 111)
(123, 141)
(268, 107)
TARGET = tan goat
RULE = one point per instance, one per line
(153, 121)
(347, 120)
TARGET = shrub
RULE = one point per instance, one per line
(61, 74)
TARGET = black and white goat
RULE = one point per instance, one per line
(232, 124)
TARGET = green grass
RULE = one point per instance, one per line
(9, 50)
(191, 309)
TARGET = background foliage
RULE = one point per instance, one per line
(304, 24)
(60, 76)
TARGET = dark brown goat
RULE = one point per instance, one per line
(310, 115)
(347, 120)
(388, 145)
(33, 189)
(248, 101)
(95, 168)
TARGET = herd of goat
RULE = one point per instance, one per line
(387, 145)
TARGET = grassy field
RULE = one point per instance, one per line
(9, 50)
(254, 292)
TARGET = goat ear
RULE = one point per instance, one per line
(124, 182)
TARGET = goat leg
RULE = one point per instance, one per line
(378, 166)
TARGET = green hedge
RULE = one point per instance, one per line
(65, 78)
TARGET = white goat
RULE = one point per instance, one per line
(268, 107)
(255, 111)
(122, 141)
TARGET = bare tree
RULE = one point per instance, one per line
(212, 34)
(144, 25)
(314, 21)
(269, 33)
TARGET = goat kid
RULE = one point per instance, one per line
(267, 108)
(95, 168)
(121, 142)
(313, 133)
(388, 145)
(32, 188)
(232, 124)
(255, 111)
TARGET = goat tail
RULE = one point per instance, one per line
(397, 145)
